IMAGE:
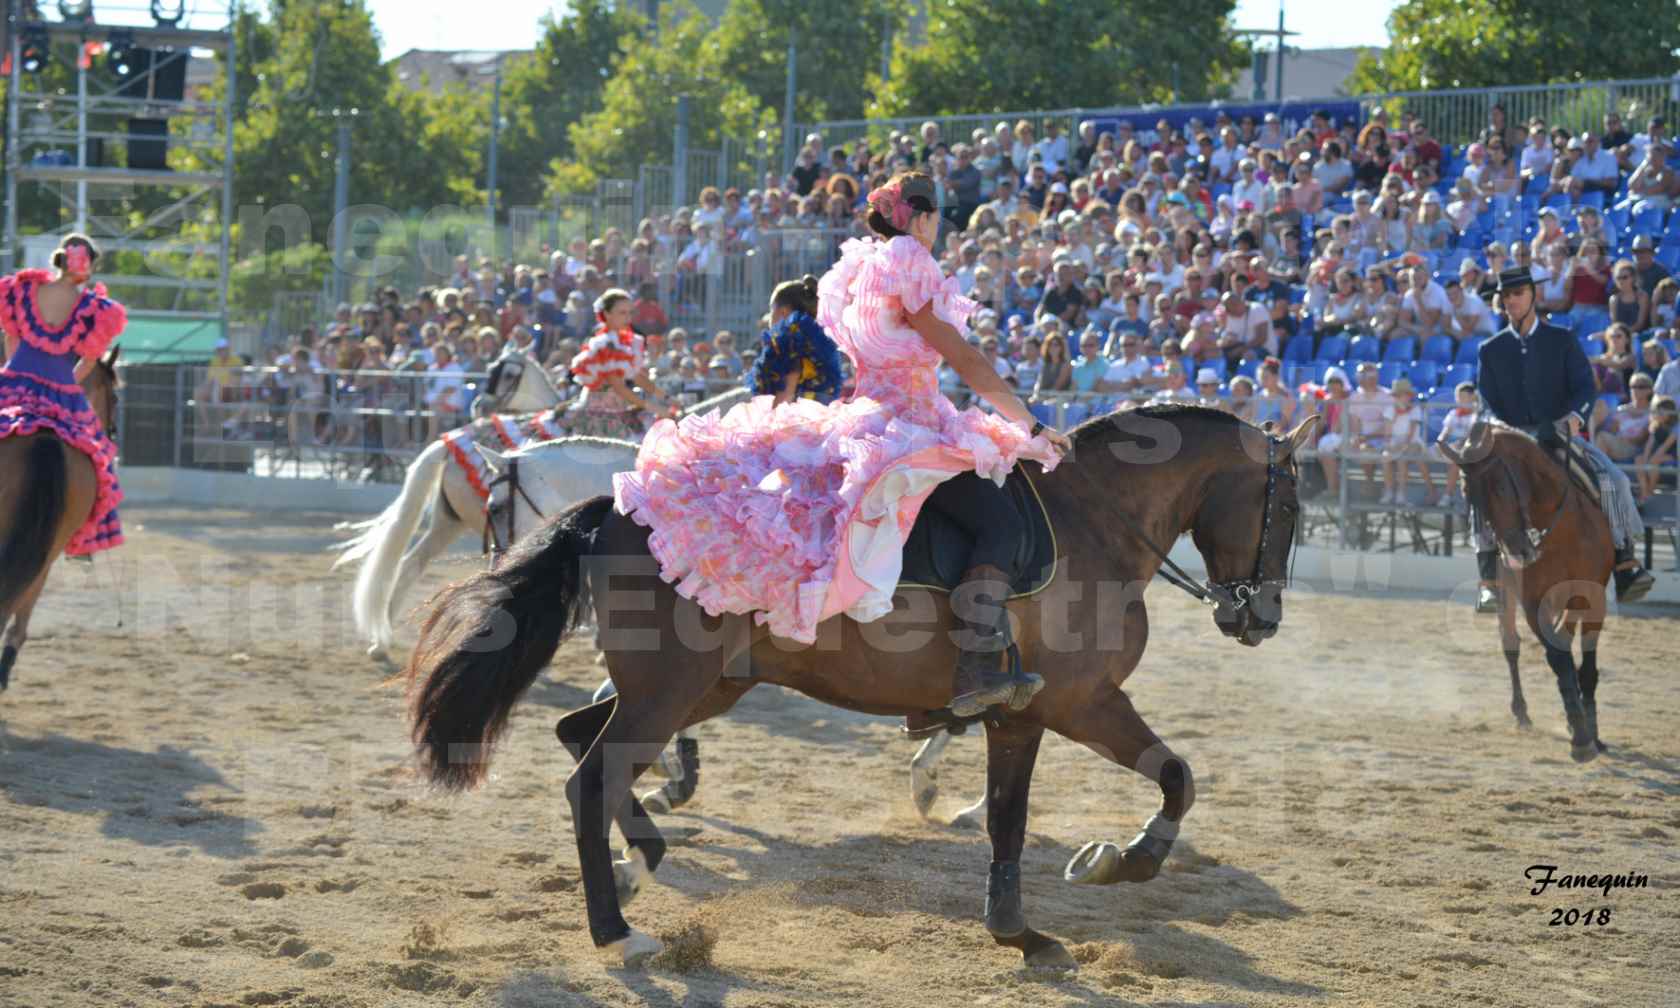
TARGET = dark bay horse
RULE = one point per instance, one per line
(1137, 480)
(47, 490)
(1555, 543)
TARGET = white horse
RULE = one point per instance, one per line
(433, 487)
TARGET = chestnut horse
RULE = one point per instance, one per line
(1137, 480)
(47, 491)
(1555, 543)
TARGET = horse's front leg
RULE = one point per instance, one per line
(1588, 675)
(1110, 725)
(1011, 752)
(1511, 644)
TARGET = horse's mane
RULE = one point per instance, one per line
(1100, 426)
(575, 441)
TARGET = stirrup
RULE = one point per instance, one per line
(1014, 691)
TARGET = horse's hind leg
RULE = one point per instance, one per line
(18, 632)
(1112, 727)
(1011, 752)
(1511, 644)
(1588, 676)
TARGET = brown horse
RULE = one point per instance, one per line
(1140, 479)
(1555, 542)
(47, 491)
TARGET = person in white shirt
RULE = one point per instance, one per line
(1424, 308)
(1403, 425)
(1053, 148)
(1246, 330)
(1595, 170)
(1455, 430)
(1468, 316)
(1333, 171)
(443, 390)
(1131, 374)
(1537, 155)
(1225, 158)
(1250, 189)
(1176, 389)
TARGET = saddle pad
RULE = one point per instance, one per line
(936, 553)
(502, 432)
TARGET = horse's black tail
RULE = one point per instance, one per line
(40, 506)
(485, 641)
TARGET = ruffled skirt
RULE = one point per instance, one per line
(29, 405)
(798, 513)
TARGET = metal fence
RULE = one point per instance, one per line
(1454, 116)
(367, 426)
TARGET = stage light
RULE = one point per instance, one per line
(76, 11)
(164, 17)
(35, 51)
(119, 53)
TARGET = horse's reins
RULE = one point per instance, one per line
(1232, 594)
(493, 544)
(1537, 536)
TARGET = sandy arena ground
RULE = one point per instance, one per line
(212, 804)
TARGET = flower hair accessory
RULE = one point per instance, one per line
(889, 202)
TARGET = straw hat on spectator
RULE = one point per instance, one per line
(1207, 376)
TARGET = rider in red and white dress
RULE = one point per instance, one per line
(606, 367)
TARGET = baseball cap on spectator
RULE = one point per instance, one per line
(1432, 197)
(1271, 117)
(1575, 143)
(1207, 376)
(1058, 187)
(1643, 243)
(1547, 211)
(1067, 217)
(1178, 197)
(1246, 204)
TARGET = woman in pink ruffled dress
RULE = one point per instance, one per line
(56, 328)
(799, 512)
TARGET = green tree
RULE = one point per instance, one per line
(637, 118)
(839, 52)
(556, 85)
(1004, 55)
(1486, 43)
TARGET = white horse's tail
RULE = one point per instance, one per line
(380, 546)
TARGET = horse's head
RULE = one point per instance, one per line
(1244, 530)
(1500, 467)
(101, 386)
(517, 384)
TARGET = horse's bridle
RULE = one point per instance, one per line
(1536, 536)
(494, 544)
(1238, 593)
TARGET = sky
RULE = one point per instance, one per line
(438, 24)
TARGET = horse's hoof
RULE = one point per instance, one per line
(378, 653)
(923, 798)
(629, 876)
(631, 951)
(1049, 956)
(1523, 723)
(1584, 753)
(656, 802)
(971, 818)
(1601, 746)
(1101, 862)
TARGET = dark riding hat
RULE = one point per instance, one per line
(1516, 276)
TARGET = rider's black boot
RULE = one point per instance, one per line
(1633, 582)
(1487, 595)
(984, 675)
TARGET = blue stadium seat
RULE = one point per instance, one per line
(1467, 351)
(1364, 348)
(1443, 394)
(1438, 349)
(1331, 348)
(1593, 198)
(1589, 320)
(1250, 368)
(1218, 365)
(1669, 256)
(1558, 202)
(1592, 347)
(1618, 216)
(1297, 375)
(1299, 349)
(1535, 187)
(1452, 374)
(1424, 374)
(1386, 373)
(1646, 222)
(1400, 348)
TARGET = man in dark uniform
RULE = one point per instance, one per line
(1536, 377)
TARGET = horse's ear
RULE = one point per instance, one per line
(494, 460)
(111, 355)
(1298, 437)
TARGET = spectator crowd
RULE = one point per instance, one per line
(1269, 269)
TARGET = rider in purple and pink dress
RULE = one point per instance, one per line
(40, 383)
(799, 512)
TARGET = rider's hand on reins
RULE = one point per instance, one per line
(1057, 440)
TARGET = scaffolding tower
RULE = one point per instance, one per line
(137, 162)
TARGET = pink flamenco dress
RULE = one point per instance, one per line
(38, 389)
(799, 512)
